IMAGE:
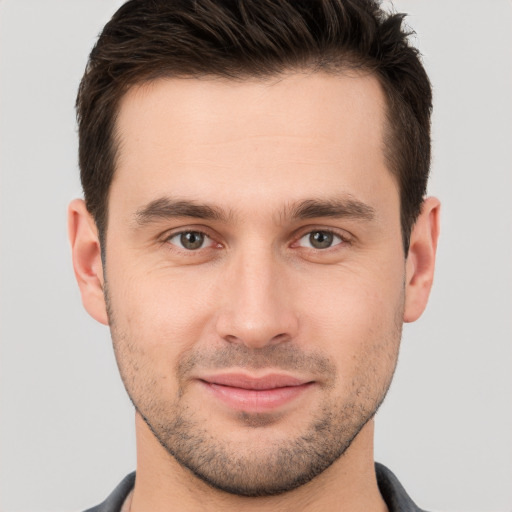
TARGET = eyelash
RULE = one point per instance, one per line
(169, 237)
(343, 239)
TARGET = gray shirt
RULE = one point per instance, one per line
(397, 500)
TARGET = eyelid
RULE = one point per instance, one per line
(345, 237)
(165, 237)
(336, 239)
(205, 239)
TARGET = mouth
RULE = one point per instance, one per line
(243, 392)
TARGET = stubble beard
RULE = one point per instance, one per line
(282, 464)
(273, 469)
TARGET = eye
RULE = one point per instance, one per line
(190, 240)
(320, 239)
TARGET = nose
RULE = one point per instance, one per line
(257, 303)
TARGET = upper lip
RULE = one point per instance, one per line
(244, 381)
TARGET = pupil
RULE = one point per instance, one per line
(192, 240)
(321, 239)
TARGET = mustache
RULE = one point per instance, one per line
(283, 356)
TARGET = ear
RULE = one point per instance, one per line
(86, 253)
(421, 259)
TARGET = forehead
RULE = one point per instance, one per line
(285, 135)
(317, 103)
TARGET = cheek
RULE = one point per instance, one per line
(157, 316)
(173, 316)
(356, 315)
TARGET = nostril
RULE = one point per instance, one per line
(259, 340)
(231, 339)
(281, 337)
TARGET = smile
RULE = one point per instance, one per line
(244, 393)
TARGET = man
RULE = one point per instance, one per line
(255, 232)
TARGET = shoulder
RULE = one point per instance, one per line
(116, 499)
(392, 491)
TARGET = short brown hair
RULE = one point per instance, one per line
(239, 39)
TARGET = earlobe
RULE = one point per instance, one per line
(421, 259)
(86, 254)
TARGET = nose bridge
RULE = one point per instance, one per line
(257, 309)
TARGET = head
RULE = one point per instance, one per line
(255, 229)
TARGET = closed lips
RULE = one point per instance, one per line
(266, 382)
(255, 395)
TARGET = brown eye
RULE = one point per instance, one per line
(189, 240)
(320, 239)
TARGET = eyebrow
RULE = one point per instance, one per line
(342, 207)
(167, 208)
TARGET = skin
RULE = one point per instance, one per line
(256, 297)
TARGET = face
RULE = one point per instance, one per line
(255, 272)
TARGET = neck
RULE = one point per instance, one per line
(164, 485)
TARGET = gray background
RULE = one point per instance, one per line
(66, 425)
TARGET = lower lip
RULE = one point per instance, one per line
(260, 400)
